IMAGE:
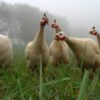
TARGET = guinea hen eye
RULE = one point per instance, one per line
(60, 34)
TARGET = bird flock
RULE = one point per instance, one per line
(86, 50)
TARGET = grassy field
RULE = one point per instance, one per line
(62, 83)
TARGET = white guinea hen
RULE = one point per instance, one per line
(38, 47)
(58, 49)
(86, 52)
(6, 51)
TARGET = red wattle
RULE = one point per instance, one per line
(93, 33)
(54, 26)
(62, 38)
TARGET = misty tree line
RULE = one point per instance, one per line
(22, 21)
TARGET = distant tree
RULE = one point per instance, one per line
(28, 18)
(22, 21)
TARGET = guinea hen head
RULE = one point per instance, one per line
(55, 26)
(93, 31)
(60, 36)
(44, 20)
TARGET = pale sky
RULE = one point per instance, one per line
(79, 13)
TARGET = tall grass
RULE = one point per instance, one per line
(40, 92)
(83, 86)
(62, 83)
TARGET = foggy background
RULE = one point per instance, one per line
(20, 18)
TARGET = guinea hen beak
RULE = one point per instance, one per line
(57, 37)
(93, 33)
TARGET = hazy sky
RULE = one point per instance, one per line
(79, 13)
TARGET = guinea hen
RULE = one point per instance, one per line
(38, 47)
(58, 49)
(6, 51)
(86, 52)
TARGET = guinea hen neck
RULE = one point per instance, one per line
(58, 30)
(72, 42)
(40, 35)
(98, 39)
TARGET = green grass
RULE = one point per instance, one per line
(62, 83)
